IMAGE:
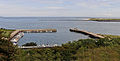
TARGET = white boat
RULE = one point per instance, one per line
(43, 45)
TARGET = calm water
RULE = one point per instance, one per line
(63, 35)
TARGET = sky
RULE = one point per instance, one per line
(60, 8)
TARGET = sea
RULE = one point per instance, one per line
(62, 24)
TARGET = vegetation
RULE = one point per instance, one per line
(30, 44)
(5, 32)
(106, 49)
(81, 50)
(103, 19)
(7, 50)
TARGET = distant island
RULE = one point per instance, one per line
(105, 19)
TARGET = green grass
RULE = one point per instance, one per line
(5, 32)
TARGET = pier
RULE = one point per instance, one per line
(92, 35)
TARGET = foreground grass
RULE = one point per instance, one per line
(5, 32)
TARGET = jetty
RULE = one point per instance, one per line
(92, 35)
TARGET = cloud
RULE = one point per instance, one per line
(47, 1)
(16, 10)
(94, 4)
(59, 7)
(108, 14)
(55, 7)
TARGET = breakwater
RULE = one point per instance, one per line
(92, 35)
(38, 30)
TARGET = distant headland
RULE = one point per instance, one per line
(105, 19)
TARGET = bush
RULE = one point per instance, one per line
(30, 44)
(7, 50)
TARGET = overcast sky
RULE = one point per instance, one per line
(84, 8)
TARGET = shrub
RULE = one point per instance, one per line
(30, 44)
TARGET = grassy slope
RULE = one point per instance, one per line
(6, 33)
